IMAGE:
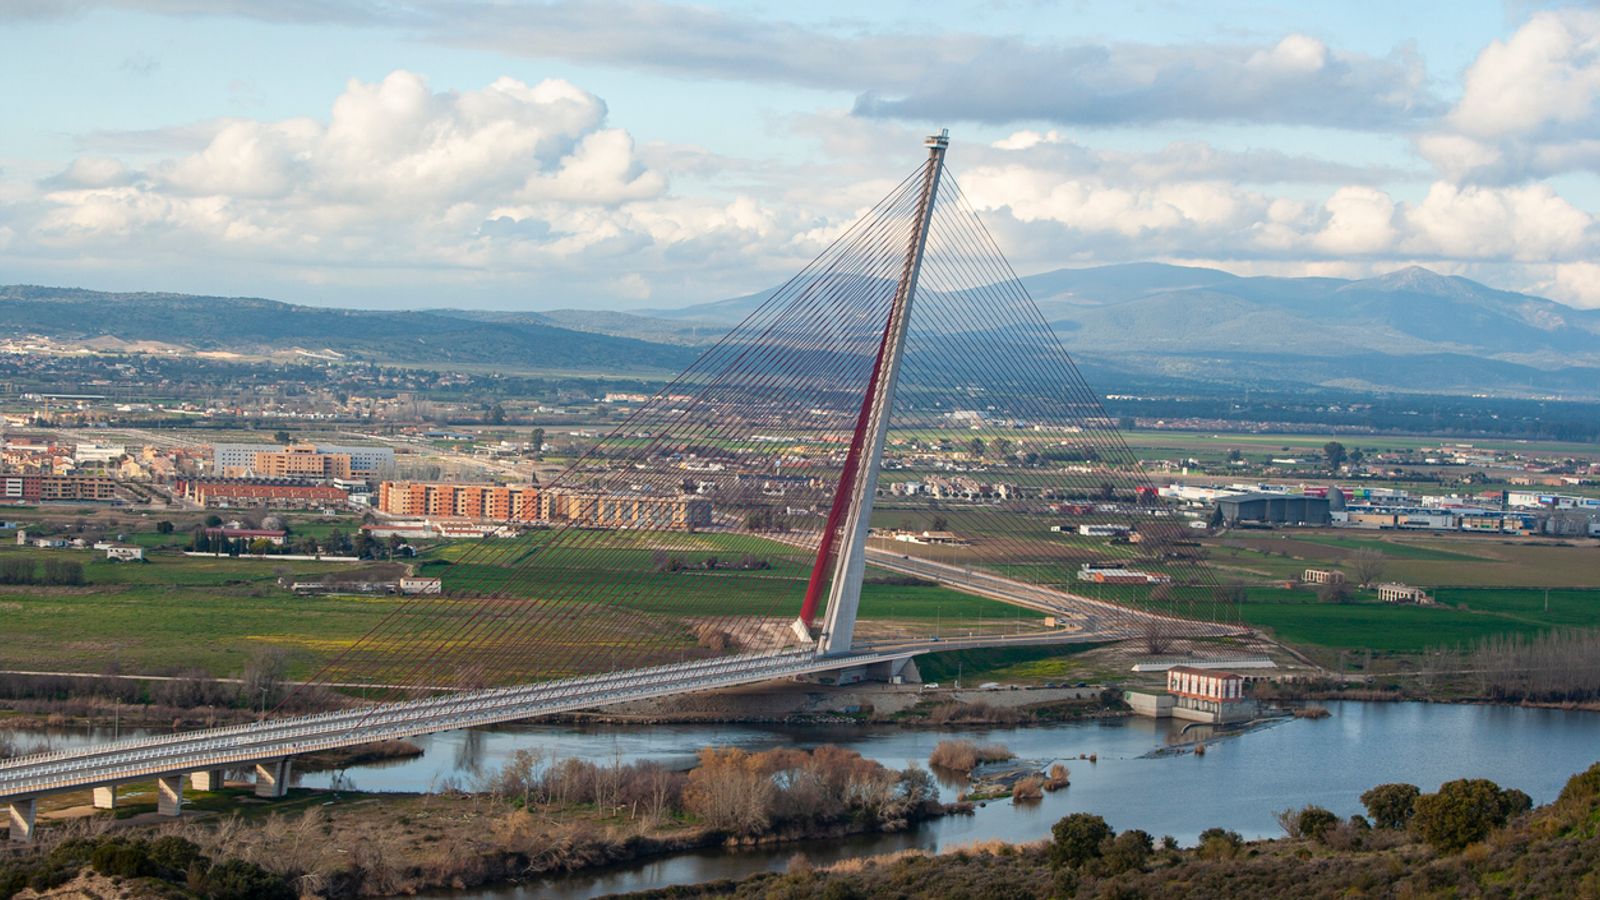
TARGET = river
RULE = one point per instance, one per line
(1239, 783)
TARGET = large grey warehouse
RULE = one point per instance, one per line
(1277, 509)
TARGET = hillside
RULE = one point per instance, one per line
(1411, 330)
(255, 326)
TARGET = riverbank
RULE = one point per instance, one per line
(1110, 761)
(533, 817)
(1446, 843)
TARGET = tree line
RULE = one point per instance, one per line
(26, 570)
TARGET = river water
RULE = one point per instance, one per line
(1239, 783)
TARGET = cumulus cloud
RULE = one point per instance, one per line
(396, 174)
(1530, 105)
(403, 186)
(1360, 221)
(1577, 283)
(1545, 78)
(1113, 212)
(91, 172)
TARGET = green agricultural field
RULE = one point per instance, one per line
(214, 613)
(1004, 664)
(1554, 608)
(1407, 629)
(1297, 618)
(1394, 549)
(154, 629)
(1427, 560)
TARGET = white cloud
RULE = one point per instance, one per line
(1530, 105)
(396, 175)
(1577, 283)
(1360, 221)
(1529, 224)
(1545, 78)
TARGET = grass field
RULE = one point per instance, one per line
(1428, 560)
(1004, 664)
(1296, 617)
(176, 612)
(1391, 549)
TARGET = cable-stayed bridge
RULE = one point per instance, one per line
(896, 424)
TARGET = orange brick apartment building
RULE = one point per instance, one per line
(527, 503)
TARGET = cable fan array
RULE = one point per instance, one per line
(690, 529)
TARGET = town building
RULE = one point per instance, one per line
(1217, 696)
(90, 453)
(124, 553)
(1198, 695)
(57, 488)
(1394, 592)
(1102, 574)
(255, 492)
(506, 503)
(945, 538)
(1103, 530)
(301, 461)
(416, 584)
(529, 504)
(272, 461)
(271, 536)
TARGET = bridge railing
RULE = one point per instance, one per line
(258, 741)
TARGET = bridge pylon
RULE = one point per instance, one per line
(849, 519)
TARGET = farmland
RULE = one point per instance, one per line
(178, 612)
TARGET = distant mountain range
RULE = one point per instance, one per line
(1411, 330)
(528, 342)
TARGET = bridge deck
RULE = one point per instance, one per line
(145, 758)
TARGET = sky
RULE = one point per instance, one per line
(636, 155)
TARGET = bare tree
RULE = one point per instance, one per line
(1368, 564)
(1156, 635)
(261, 681)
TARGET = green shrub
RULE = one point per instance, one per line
(1391, 805)
(1219, 843)
(1077, 839)
(1463, 812)
(1583, 787)
(240, 880)
(1127, 852)
(1314, 822)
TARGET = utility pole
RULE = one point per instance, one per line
(872, 427)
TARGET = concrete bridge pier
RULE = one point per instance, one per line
(208, 780)
(105, 797)
(169, 795)
(21, 816)
(272, 778)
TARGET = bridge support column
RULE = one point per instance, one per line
(105, 797)
(21, 818)
(209, 780)
(872, 428)
(272, 778)
(169, 795)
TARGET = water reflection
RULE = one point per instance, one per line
(1143, 777)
